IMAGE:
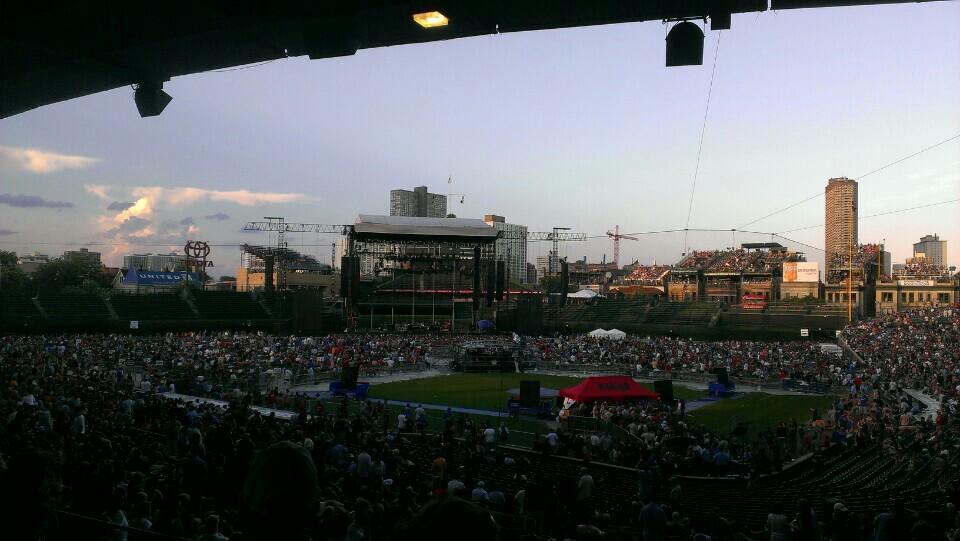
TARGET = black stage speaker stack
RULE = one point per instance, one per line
(664, 387)
(501, 278)
(722, 377)
(529, 393)
(476, 278)
(349, 376)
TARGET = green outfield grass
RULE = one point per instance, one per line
(488, 392)
(479, 391)
(759, 410)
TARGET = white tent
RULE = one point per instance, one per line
(612, 334)
(583, 294)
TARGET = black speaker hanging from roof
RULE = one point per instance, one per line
(685, 45)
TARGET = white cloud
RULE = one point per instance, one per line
(147, 221)
(186, 195)
(41, 162)
(98, 190)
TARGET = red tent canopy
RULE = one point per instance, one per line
(601, 388)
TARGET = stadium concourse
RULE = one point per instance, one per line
(92, 449)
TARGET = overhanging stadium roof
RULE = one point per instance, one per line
(373, 228)
(55, 51)
(763, 246)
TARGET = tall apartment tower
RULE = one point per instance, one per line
(418, 203)
(840, 220)
(512, 248)
(932, 249)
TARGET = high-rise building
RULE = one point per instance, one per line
(840, 220)
(418, 203)
(367, 259)
(933, 250)
(531, 274)
(83, 255)
(29, 263)
(886, 263)
(545, 263)
(511, 247)
(157, 262)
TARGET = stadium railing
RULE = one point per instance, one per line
(85, 527)
(801, 386)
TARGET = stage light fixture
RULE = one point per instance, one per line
(150, 98)
(685, 45)
(431, 19)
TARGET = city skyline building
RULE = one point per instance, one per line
(512, 248)
(157, 262)
(932, 249)
(418, 203)
(29, 263)
(544, 263)
(82, 254)
(840, 218)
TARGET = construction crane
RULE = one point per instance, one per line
(616, 236)
(554, 236)
(534, 236)
(279, 225)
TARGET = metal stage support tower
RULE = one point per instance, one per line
(446, 256)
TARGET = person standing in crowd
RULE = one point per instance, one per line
(489, 437)
(777, 524)
(653, 522)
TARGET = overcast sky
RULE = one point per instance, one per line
(583, 128)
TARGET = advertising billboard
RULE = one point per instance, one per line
(801, 272)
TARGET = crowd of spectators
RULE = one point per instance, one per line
(920, 269)
(717, 261)
(680, 357)
(839, 264)
(697, 259)
(224, 365)
(81, 437)
(740, 260)
(917, 349)
(647, 274)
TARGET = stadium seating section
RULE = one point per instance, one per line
(225, 305)
(631, 313)
(682, 314)
(75, 308)
(866, 481)
(17, 310)
(151, 307)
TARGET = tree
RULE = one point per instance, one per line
(12, 279)
(8, 259)
(56, 275)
